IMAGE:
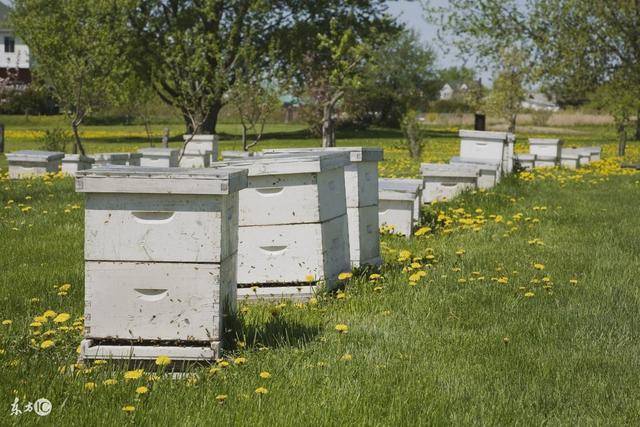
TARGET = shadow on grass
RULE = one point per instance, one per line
(276, 332)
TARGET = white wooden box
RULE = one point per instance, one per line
(526, 161)
(545, 147)
(232, 154)
(583, 157)
(361, 176)
(488, 173)
(594, 152)
(195, 160)
(25, 163)
(569, 160)
(203, 144)
(160, 271)
(545, 161)
(412, 186)
(444, 182)
(104, 159)
(509, 157)
(364, 235)
(158, 301)
(134, 159)
(72, 163)
(159, 157)
(396, 209)
(292, 189)
(491, 146)
(299, 292)
(291, 253)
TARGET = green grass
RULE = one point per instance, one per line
(433, 353)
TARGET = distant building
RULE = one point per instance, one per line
(14, 54)
(540, 102)
(448, 92)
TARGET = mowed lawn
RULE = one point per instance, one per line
(526, 311)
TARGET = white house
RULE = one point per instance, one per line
(14, 54)
(539, 102)
(446, 92)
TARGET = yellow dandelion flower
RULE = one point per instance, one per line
(346, 357)
(538, 266)
(221, 398)
(35, 324)
(375, 276)
(46, 344)
(65, 287)
(61, 318)
(261, 390)
(573, 281)
(50, 314)
(133, 375)
(264, 375)
(7, 322)
(213, 371)
(142, 390)
(423, 230)
(345, 276)
(460, 252)
(128, 408)
(223, 363)
(529, 294)
(307, 278)
(90, 386)
(163, 360)
(239, 360)
(110, 381)
(342, 328)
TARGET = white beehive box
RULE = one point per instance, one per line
(545, 161)
(488, 173)
(203, 144)
(569, 159)
(160, 260)
(72, 163)
(159, 157)
(235, 154)
(25, 163)
(526, 161)
(293, 220)
(397, 203)
(594, 152)
(488, 146)
(444, 182)
(545, 147)
(584, 157)
(361, 186)
(509, 154)
(104, 159)
(405, 185)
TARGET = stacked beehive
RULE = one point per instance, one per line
(160, 261)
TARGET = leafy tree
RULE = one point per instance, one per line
(507, 94)
(400, 75)
(414, 134)
(75, 50)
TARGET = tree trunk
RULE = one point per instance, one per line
(209, 125)
(244, 138)
(622, 139)
(637, 136)
(512, 124)
(77, 146)
(328, 133)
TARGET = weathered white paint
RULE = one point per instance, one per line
(134, 159)
(569, 160)
(93, 349)
(160, 227)
(396, 209)
(545, 147)
(545, 161)
(203, 144)
(72, 163)
(364, 235)
(509, 158)
(492, 146)
(584, 157)
(159, 157)
(444, 182)
(231, 154)
(413, 186)
(158, 301)
(195, 160)
(104, 159)
(299, 292)
(488, 173)
(292, 252)
(593, 152)
(25, 163)
(114, 179)
(526, 161)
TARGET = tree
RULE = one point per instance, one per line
(400, 75)
(507, 94)
(414, 134)
(75, 50)
(456, 76)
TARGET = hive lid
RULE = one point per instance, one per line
(486, 136)
(592, 150)
(157, 151)
(77, 158)
(134, 155)
(400, 184)
(357, 154)
(525, 156)
(546, 158)
(136, 179)
(567, 152)
(485, 164)
(105, 157)
(448, 170)
(545, 141)
(289, 163)
(34, 156)
(390, 194)
(236, 154)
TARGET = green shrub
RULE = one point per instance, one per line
(56, 140)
